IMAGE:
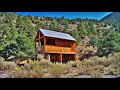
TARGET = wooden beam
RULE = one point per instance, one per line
(60, 57)
(44, 41)
(39, 38)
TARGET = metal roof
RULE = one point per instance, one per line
(55, 34)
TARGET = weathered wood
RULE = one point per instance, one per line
(57, 49)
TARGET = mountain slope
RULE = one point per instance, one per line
(17, 33)
(113, 19)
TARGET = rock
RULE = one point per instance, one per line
(4, 74)
(108, 76)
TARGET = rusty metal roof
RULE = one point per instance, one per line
(55, 34)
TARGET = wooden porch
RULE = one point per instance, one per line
(54, 49)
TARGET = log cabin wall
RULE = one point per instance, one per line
(62, 43)
(72, 46)
(61, 57)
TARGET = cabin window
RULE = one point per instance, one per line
(50, 41)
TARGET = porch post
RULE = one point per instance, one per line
(74, 57)
(39, 38)
(44, 41)
(60, 58)
(35, 50)
(35, 45)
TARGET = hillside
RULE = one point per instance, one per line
(17, 34)
(113, 19)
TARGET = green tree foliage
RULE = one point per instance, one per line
(24, 44)
(53, 26)
(108, 43)
(81, 30)
(93, 41)
(17, 32)
(16, 35)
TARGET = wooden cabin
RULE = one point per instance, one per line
(55, 45)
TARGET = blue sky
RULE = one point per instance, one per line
(69, 15)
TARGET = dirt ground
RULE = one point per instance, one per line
(73, 74)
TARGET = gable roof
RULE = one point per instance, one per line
(55, 34)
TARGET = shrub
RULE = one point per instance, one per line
(82, 70)
(1, 59)
(95, 58)
(20, 53)
(115, 70)
(9, 66)
(28, 66)
(98, 68)
(83, 67)
(67, 68)
(31, 64)
(91, 63)
(29, 70)
(56, 70)
(95, 74)
(20, 74)
(45, 63)
(34, 72)
(37, 72)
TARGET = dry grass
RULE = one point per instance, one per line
(95, 74)
(7, 66)
(115, 70)
(57, 70)
(95, 67)
(31, 70)
(45, 63)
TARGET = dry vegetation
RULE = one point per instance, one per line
(94, 67)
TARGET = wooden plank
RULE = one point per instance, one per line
(61, 52)
(56, 49)
(60, 57)
(37, 40)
